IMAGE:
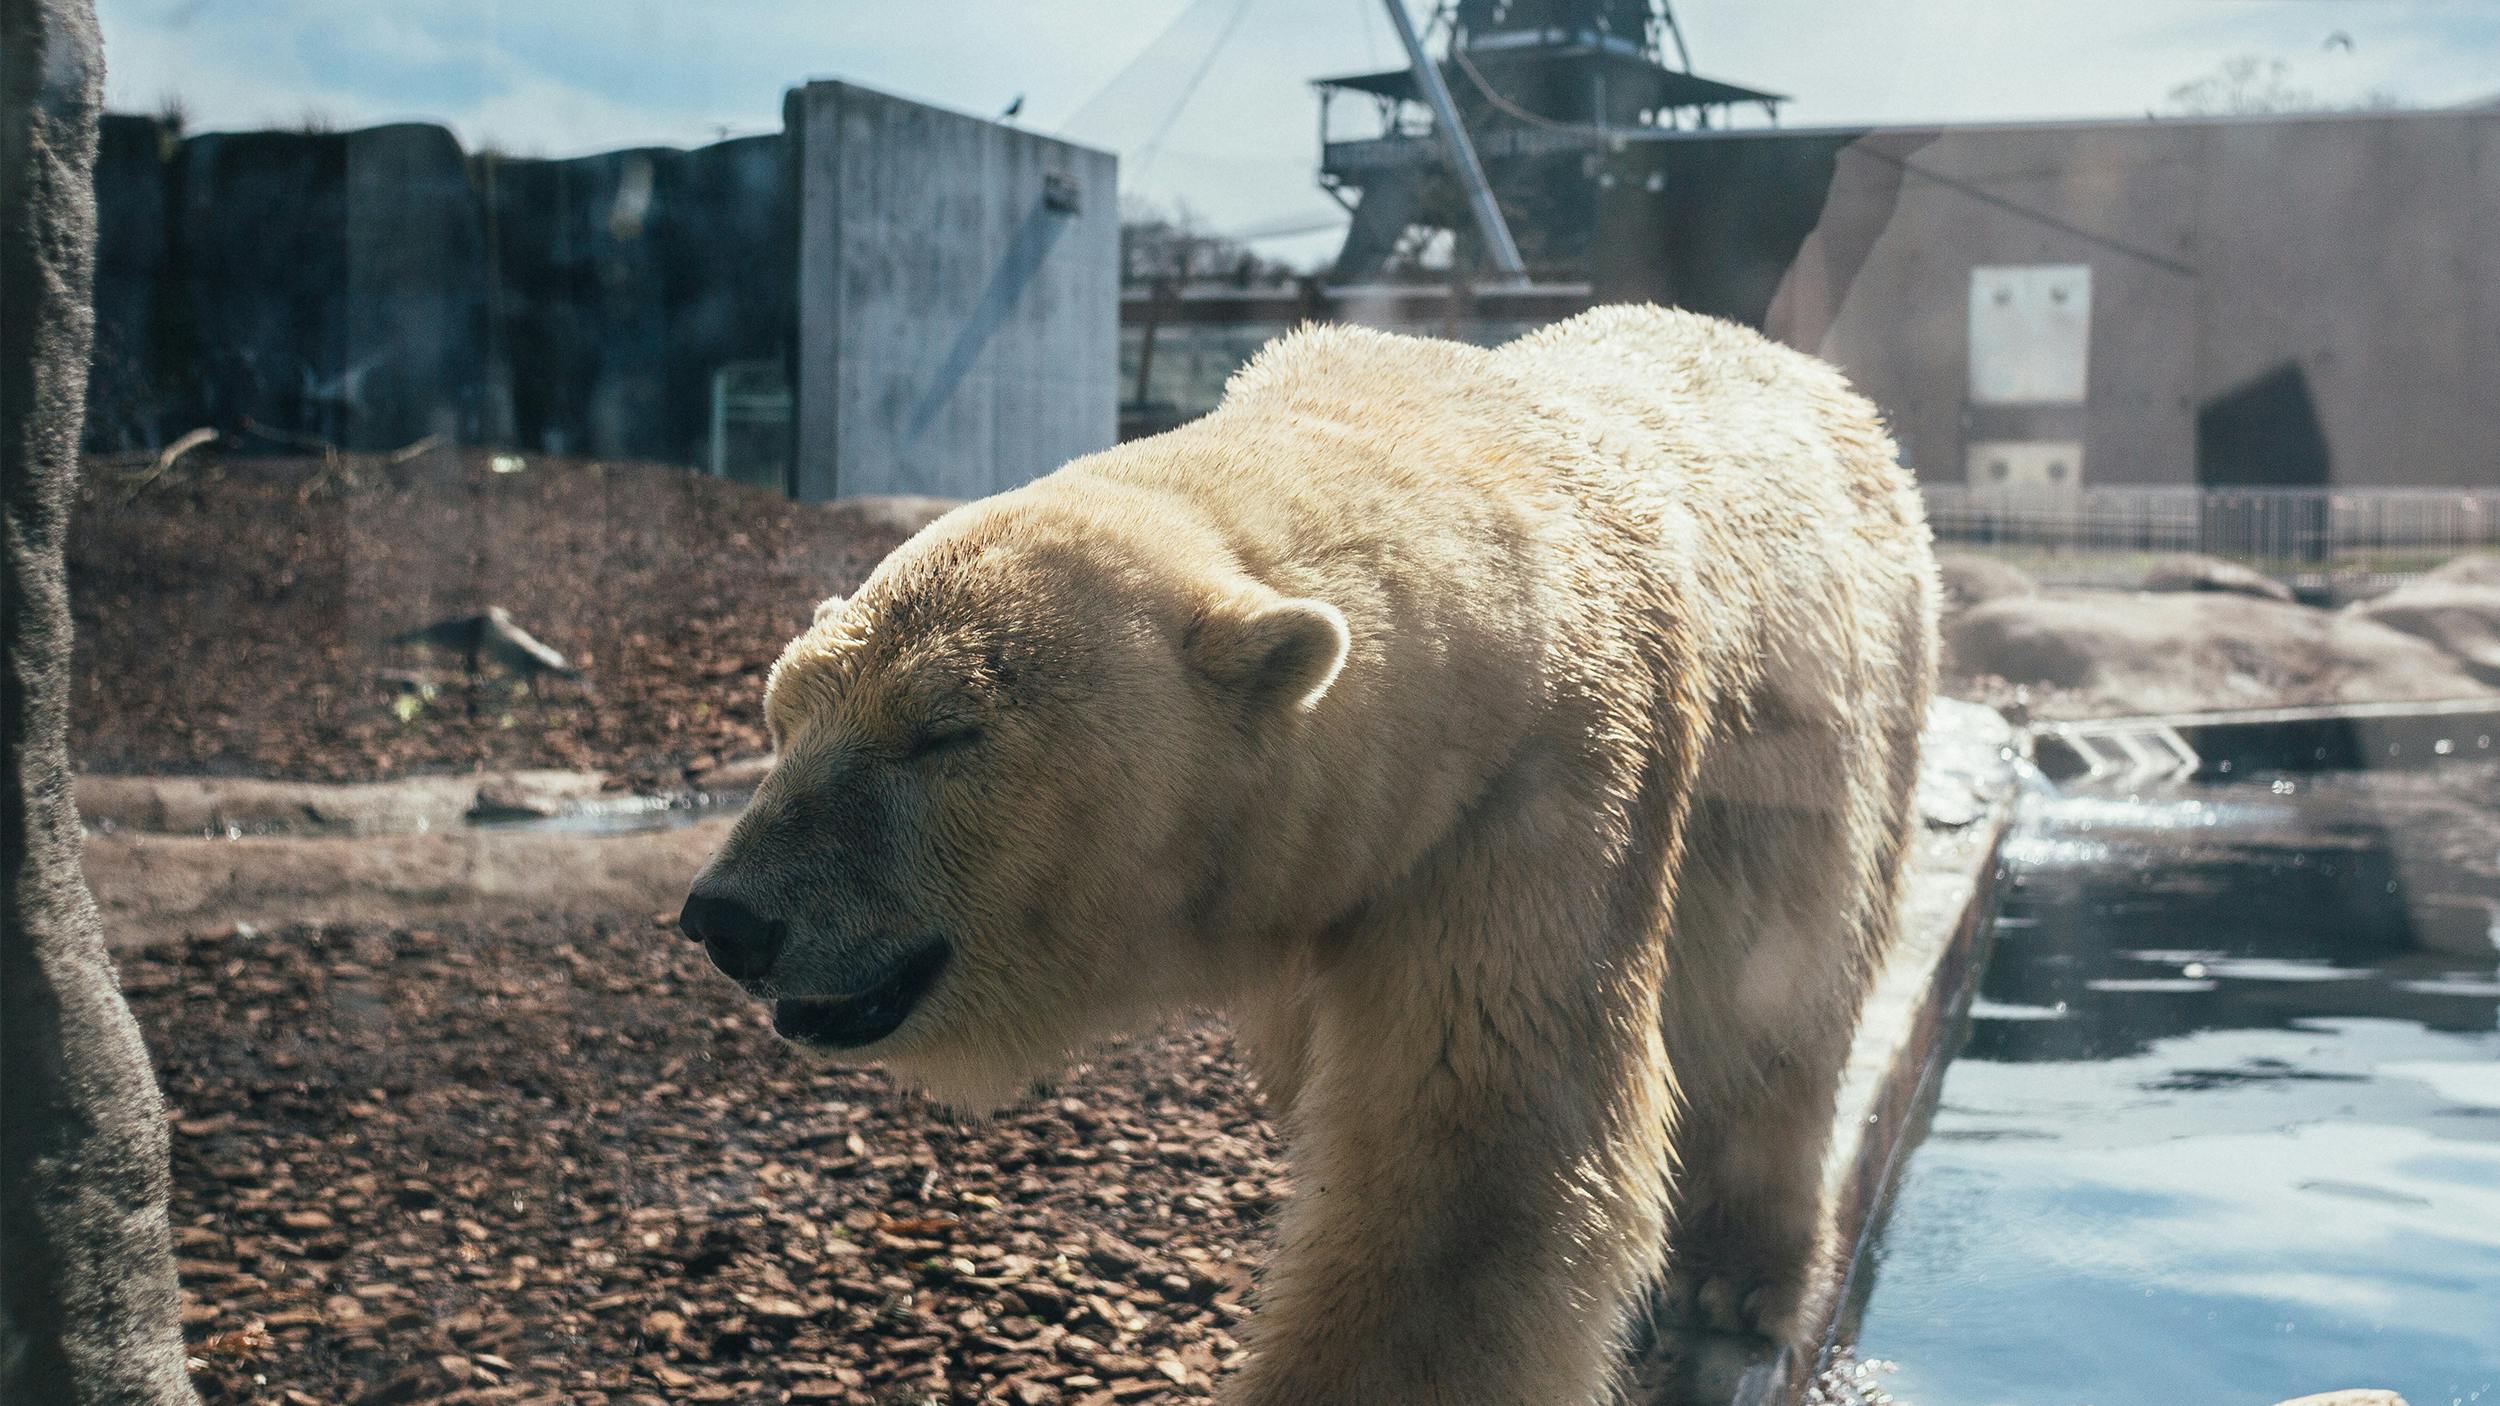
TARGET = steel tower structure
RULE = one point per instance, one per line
(1544, 88)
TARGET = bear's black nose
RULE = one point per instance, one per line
(741, 942)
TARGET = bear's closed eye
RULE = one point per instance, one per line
(942, 742)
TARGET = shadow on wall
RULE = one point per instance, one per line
(2265, 432)
(1039, 230)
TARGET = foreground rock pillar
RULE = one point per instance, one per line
(88, 1311)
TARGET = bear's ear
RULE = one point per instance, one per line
(1270, 649)
(830, 606)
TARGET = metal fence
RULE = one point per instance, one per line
(2322, 541)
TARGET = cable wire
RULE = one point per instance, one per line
(1146, 153)
(1147, 51)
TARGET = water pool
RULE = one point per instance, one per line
(2227, 1126)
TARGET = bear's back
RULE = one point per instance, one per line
(1721, 411)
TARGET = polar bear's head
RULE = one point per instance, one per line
(1009, 773)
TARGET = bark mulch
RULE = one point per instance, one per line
(233, 615)
(525, 1163)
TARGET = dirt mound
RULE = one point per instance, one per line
(2109, 653)
(2188, 572)
(2462, 619)
(1976, 580)
(233, 617)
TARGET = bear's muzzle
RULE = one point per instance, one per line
(871, 1014)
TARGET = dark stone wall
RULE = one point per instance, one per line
(370, 288)
(329, 285)
(623, 280)
(132, 250)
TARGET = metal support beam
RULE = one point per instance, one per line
(1666, 21)
(1462, 152)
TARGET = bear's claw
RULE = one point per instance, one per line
(1728, 1303)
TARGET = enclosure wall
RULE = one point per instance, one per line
(2306, 301)
(958, 298)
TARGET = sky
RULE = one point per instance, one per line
(1208, 101)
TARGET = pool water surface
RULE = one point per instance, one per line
(2227, 1126)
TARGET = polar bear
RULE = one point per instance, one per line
(1515, 744)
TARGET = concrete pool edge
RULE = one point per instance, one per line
(1897, 1069)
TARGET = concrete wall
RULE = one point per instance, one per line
(625, 280)
(370, 288)
(2362, 252)
(942, 291)
(958, 298)
(329, 284)
(130, 381)
(317, 283)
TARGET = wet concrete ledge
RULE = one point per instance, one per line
(230, 806)
(1914, 1015)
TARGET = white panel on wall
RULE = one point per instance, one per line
(2031, 466)
(2030, 333)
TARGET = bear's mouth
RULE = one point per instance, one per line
(867, 1016)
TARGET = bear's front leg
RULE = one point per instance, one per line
(1480, 1176)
